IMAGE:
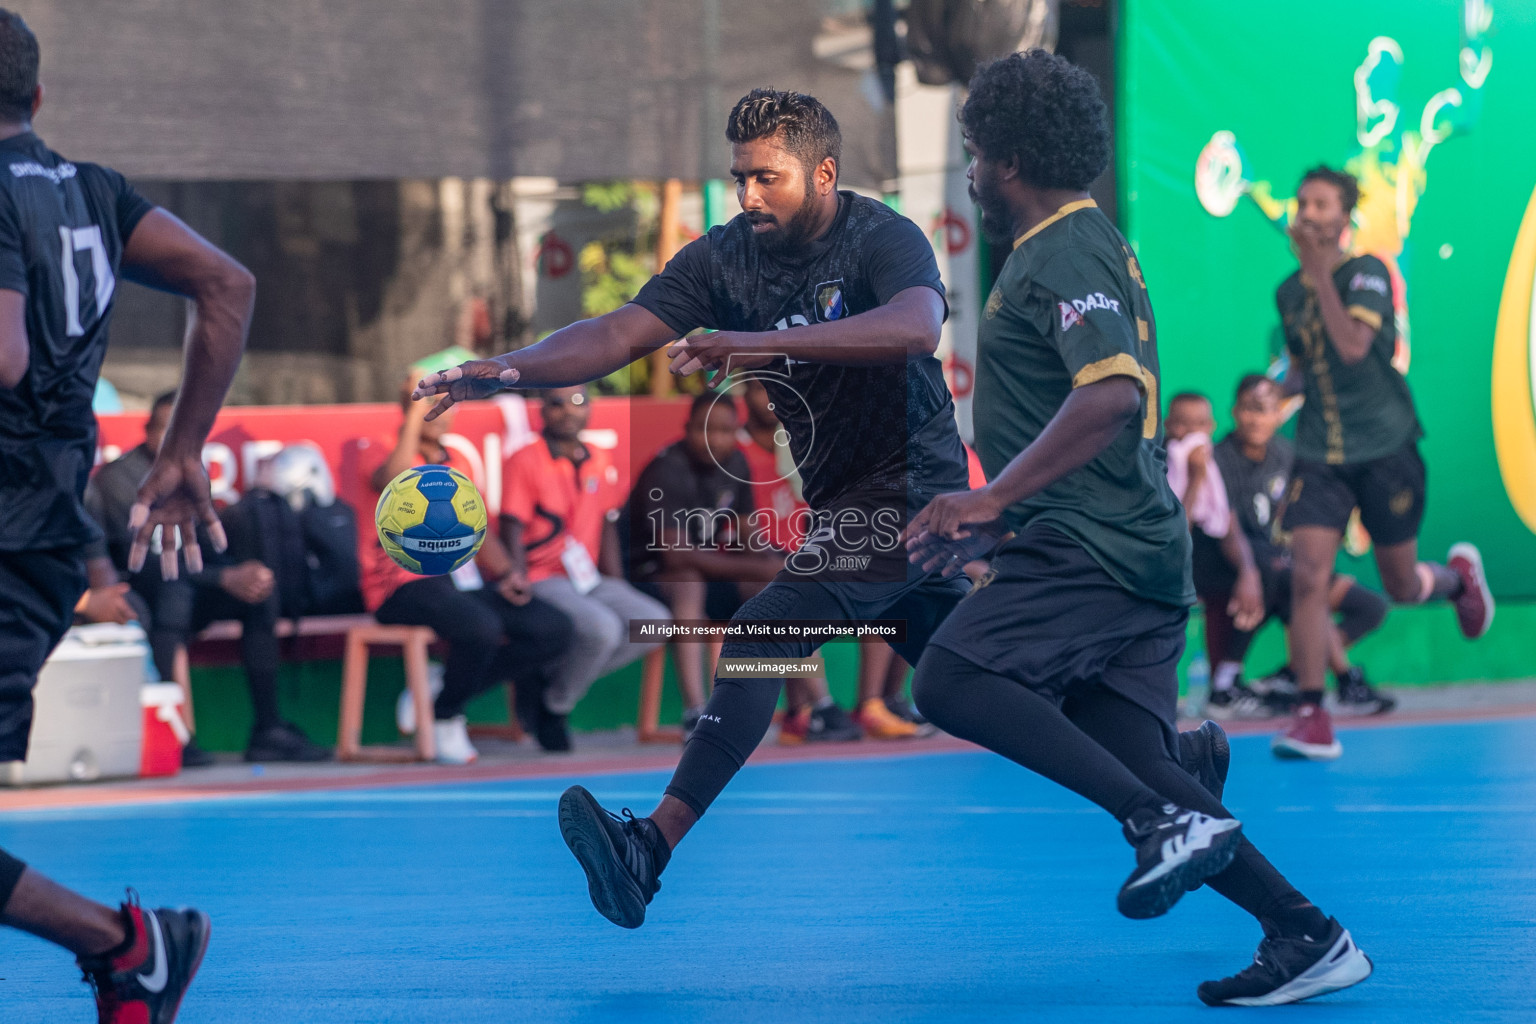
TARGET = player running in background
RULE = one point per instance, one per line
(67, 232)
(1064, 658)
(1356, 446)
(834, 301)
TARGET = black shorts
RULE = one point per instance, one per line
(1048, 616)
(1389, 492)
(922, 604)
(38, 591)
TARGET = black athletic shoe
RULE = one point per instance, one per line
(194, 756)
(1289, 970)
(1206, 754)
(1356, 696)
(1279, 687)
(145, 984)
(284, 742)
(1176, 849)
(622, 857)
(831, 724)
(551, 732)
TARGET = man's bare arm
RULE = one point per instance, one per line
(164, 253)
(582, 352)
(905, 328)
(15, 353)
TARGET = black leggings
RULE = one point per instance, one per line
(10, 874)
(1097, 744)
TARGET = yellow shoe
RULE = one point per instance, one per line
(880, 724)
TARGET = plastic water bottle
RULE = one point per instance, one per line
(1197, 686)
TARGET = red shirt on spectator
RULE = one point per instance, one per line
(553, 499)
(775, 493)
(378, 574)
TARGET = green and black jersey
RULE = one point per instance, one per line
(1353, 413)
(1070, 308)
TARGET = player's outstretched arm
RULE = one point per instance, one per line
(582, 352)
(905, 328)
(164, 253)
(1087, 422)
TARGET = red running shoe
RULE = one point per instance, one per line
(1474, 606)
(145, 984)
(1310, 736)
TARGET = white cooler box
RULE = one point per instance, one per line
(88, 722)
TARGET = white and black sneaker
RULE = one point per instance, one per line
(1288, 970)
(1240, 703)
(1176, 849)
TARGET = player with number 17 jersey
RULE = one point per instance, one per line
(63, 226)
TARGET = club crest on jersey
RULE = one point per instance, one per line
(829, 300)
(1069, 316)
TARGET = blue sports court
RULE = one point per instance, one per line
(932, 887)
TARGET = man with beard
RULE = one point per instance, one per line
(1064, 658)
(834, 301)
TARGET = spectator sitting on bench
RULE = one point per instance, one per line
(559, 505)
(495, 627)
(235, 585)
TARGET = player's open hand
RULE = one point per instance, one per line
(954, 529)
(478, 378)
(722, 350)
(173, 499)
(1316, 249)
(1247, 604)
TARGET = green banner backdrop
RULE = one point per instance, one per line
(1222, 108)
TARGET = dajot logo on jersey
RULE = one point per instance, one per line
(1072, 312)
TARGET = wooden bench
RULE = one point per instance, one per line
(360, 632)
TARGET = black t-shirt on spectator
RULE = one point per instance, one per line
(852, 429)
(63, 227)
(1255, 491)
(711, 504)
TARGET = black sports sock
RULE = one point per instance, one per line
(1309, 697)
(1293, 917)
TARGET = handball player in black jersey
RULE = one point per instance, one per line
(833, 301)
(1064, 658)
(68, 232)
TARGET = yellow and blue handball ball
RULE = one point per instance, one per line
(431, 520)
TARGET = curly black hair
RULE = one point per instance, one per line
(1043, 109)
(807, 128)
(19, 58)
(1349, 188)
